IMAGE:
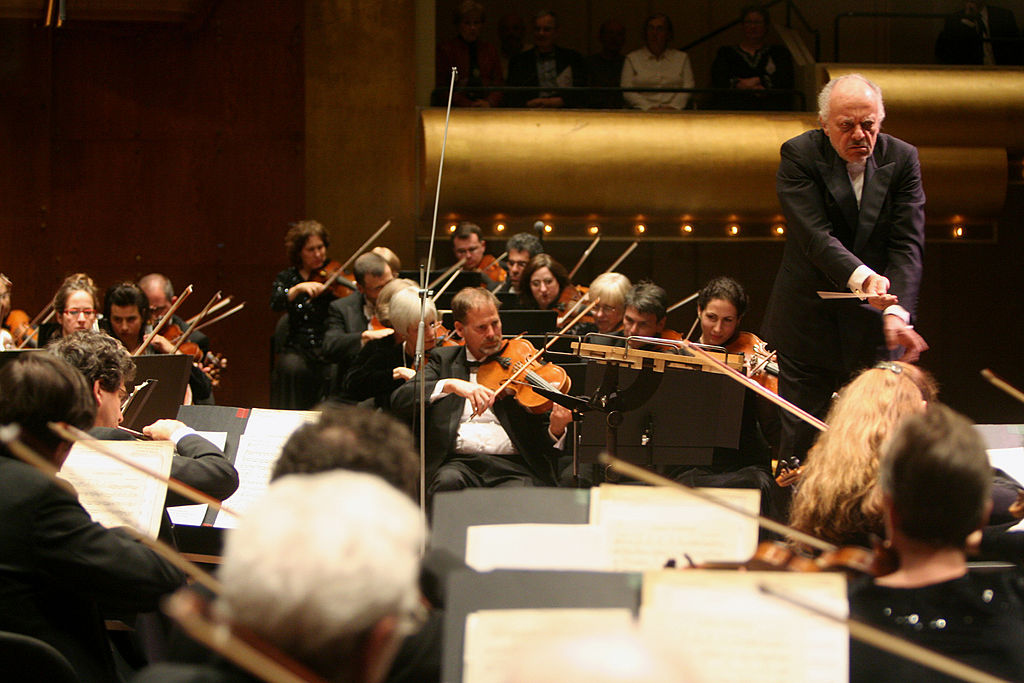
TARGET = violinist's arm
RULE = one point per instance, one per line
(161, 344)
(310, 289)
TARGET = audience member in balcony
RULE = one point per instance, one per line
(477, 61)
(753, 66)
(980, 34)
(511, 30)
(546, 65)
(656, 65)
(604, 68)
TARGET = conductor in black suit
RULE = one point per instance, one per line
(854, 204)
(475, 438)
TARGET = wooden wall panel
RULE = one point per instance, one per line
(180, 151)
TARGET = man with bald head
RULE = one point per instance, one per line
(854, 205)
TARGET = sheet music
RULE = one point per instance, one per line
(278, 423)
(218, 439)
(188, 515)
(254, 461)
(736, 633)
(116, 494)
(561, 547)
(496, 639)
(647, 526)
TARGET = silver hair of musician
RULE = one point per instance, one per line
(404, 310)
(319, 562)
(824, 106)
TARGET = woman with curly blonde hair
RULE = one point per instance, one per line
(838, 499)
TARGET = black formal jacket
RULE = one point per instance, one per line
(345, 326)
(961, 43)
(522, 71)
(59, 569)
(528, 432)
(828, 237)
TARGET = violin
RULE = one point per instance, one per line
(211, 363)
(569, 301)
(491, 268)
(326, 274)
(446, 337)
(510, 362)
(758, 362)
(18, 323)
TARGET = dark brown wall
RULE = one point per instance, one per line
(148, 147)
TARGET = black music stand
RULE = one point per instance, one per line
(675, 417)
(163, 397)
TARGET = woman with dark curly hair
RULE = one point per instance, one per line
(300, 373)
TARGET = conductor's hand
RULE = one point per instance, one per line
(877, 289)
(480, 397)
(898, 333)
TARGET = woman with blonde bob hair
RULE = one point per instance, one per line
(838, 499)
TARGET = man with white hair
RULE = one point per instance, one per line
(854, 208)
(325, 568)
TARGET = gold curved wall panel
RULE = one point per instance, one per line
(934, 105)
(608, 165)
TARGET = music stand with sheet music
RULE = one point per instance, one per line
(675, 416)
(163, 396)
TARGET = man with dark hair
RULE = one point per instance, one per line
(353, 438)
(980, 33)
(474, 437)
(60, 569)
(645, 312)
(468, 243)
(547, 65)
(604, 68)
(107, 368)
(348, 318)
(521, 247)
(126, 318)
(935, 480)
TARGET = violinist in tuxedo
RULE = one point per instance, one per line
(468, 243)
(854, 204)
(522, 247)
(474, 437)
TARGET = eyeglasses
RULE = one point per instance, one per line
(76, 312)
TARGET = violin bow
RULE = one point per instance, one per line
(584, 257)
(526, 364)
(336, 275)
(191, 328)
(627, 252)
(186, 293)
(445, 286)
(754, 386)
(892, 644)
(225, 314)
(683, 302)
(10, 439)
(69, 433)
(997, 381)
(33, 324)
(213, 309)
(441, 278)
(241, 646)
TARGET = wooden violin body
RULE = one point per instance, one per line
(510, 361)
(326, 273)
(758, 362)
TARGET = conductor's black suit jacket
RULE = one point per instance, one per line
(528, 432)
(828, 237)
